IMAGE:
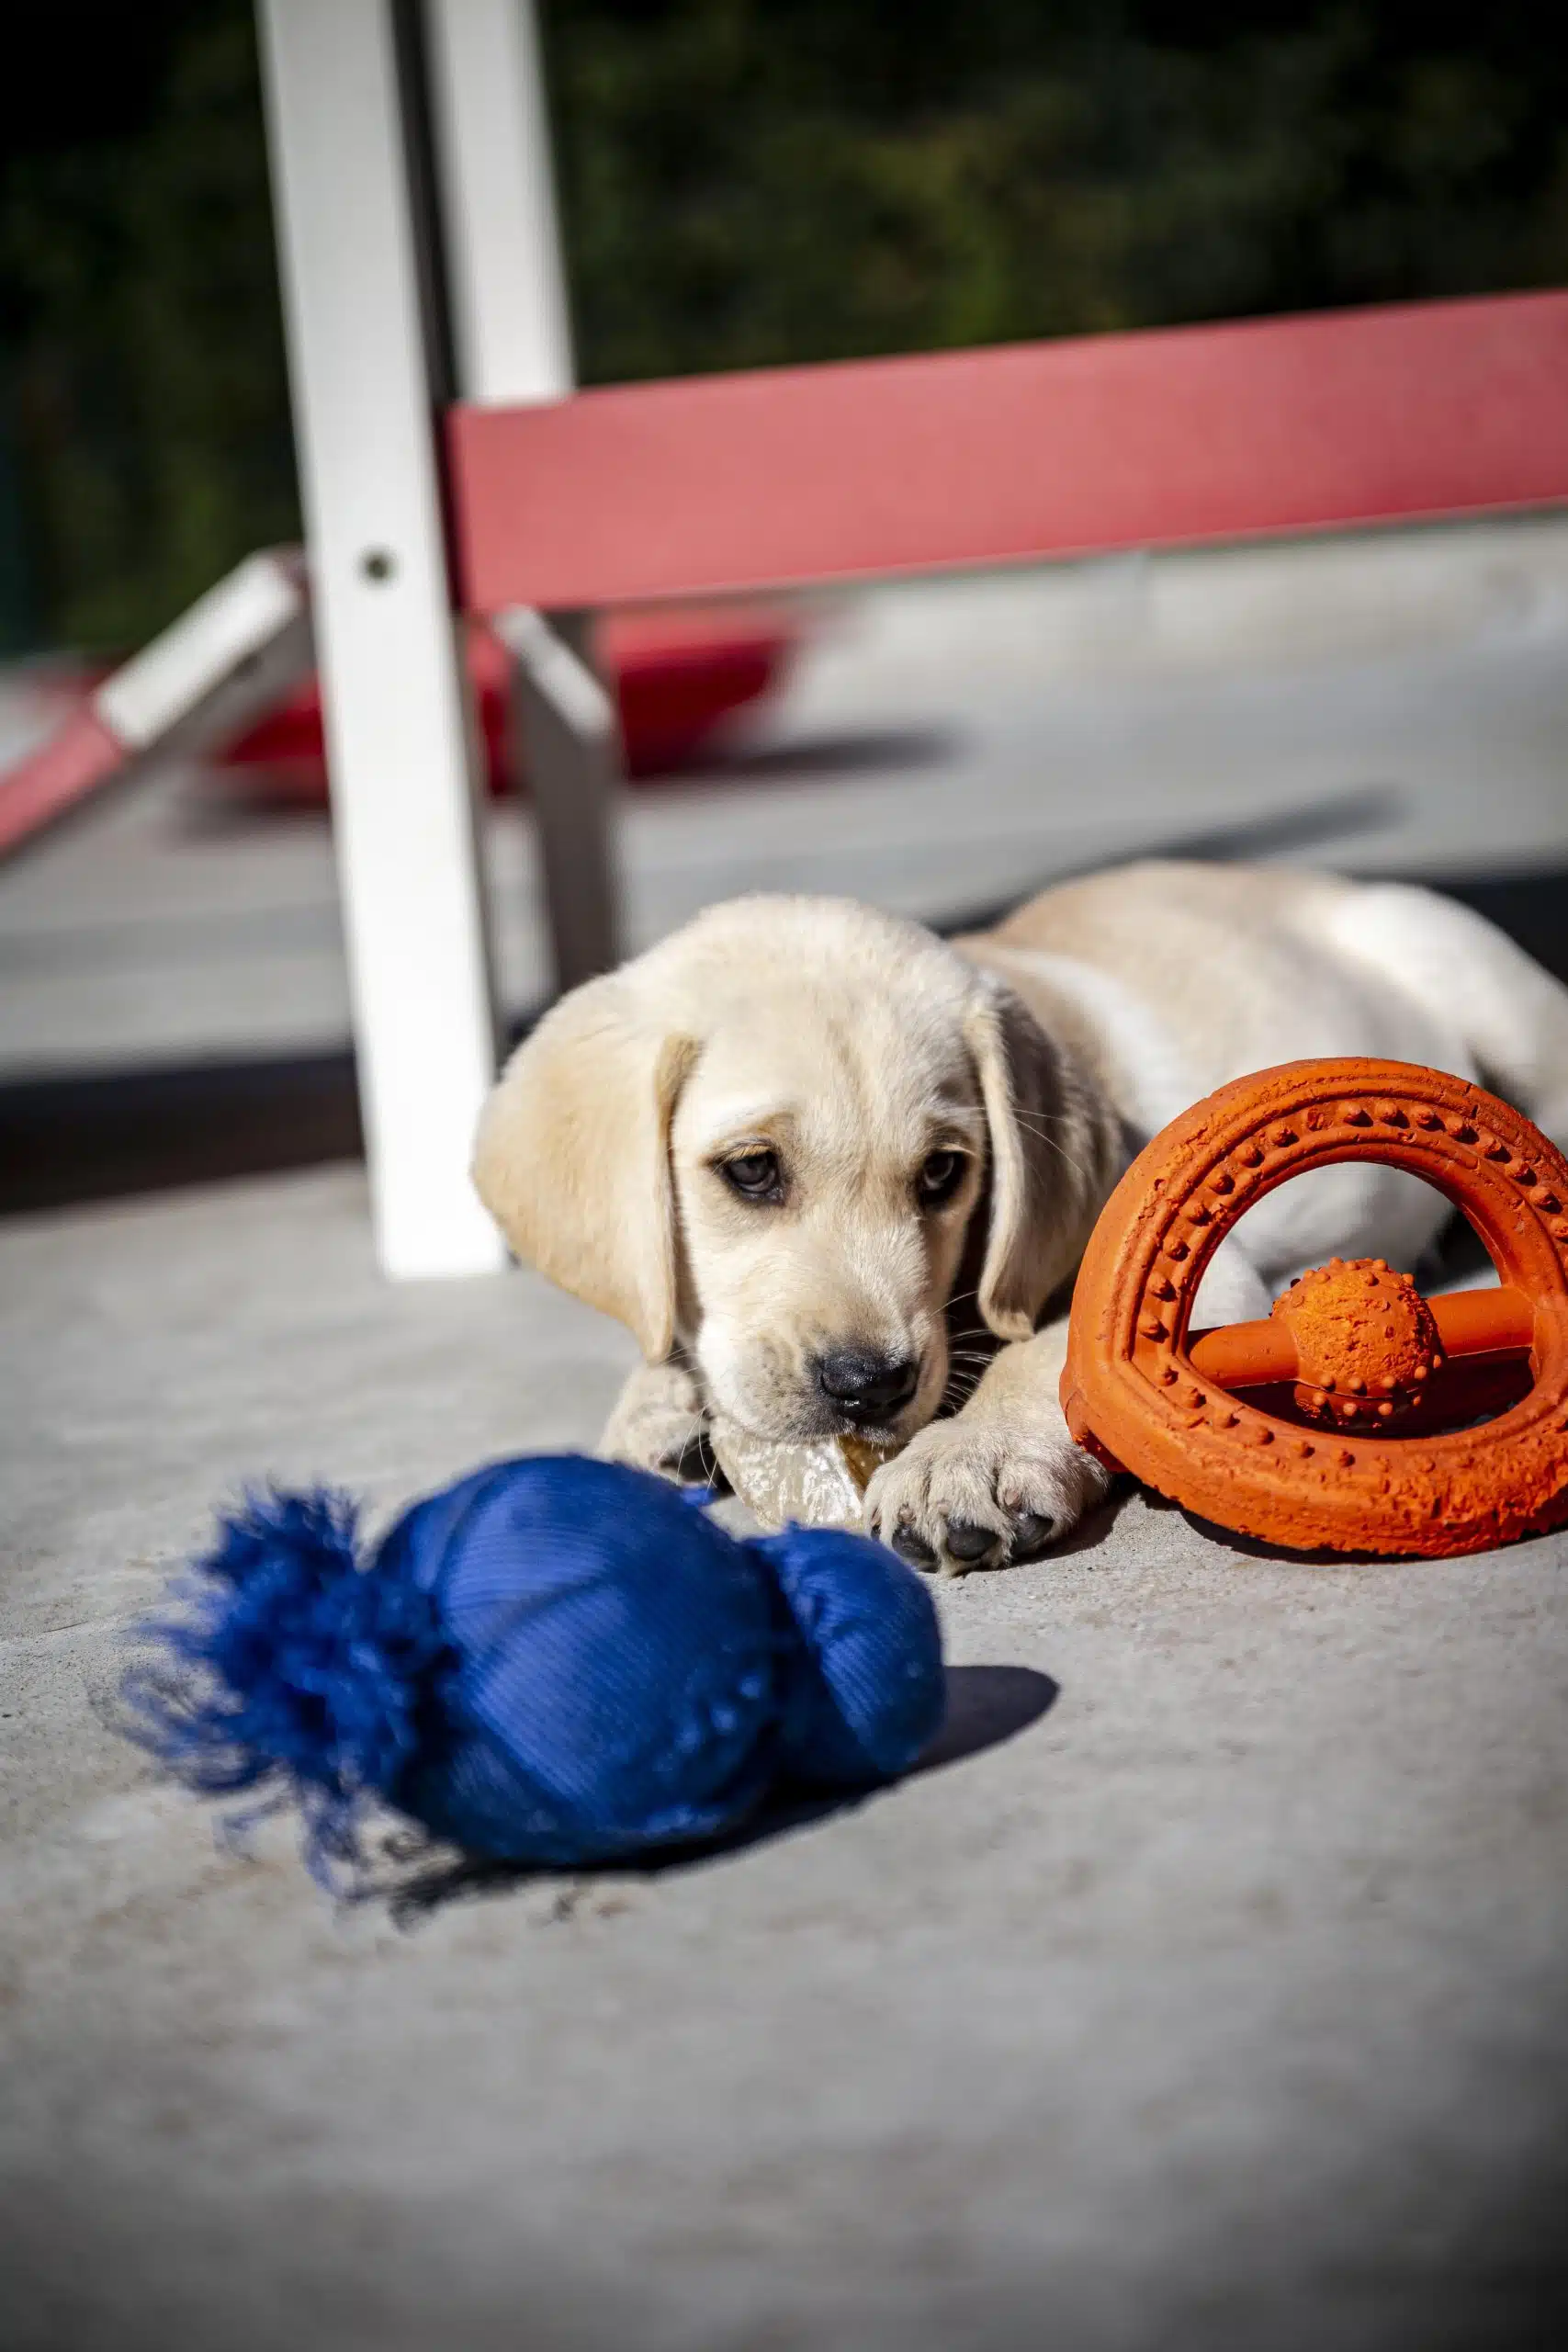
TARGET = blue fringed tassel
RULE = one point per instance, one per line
(296, 1673)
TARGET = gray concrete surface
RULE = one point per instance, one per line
(944, 744)
(1217, 2005)
(1220, 2005)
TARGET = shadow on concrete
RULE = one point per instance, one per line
(98, 1139)
(90, 1138)
(811, 759)
(986, 1705)
(1252, 1547)
(1094, 1526)
(1363, 809)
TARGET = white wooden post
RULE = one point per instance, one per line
(567, 732)
(394, 689)
(512, 332)
(505, 283)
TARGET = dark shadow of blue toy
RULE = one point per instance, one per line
(984, 1705)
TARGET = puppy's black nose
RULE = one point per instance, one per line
(864, 1387)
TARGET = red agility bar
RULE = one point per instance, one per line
(79, 756)
(720, 483)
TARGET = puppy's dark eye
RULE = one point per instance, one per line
(755, 1175)
(940, 1178)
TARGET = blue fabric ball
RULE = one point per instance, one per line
(554, 1660)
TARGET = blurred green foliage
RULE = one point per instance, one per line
(756, 180)
(750, 181)
(139, 326)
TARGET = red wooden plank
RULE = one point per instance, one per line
(728, 482)
(77, 760)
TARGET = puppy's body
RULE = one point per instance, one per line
(836, 1175)
(1171, 980)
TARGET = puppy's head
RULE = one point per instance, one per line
(770, 1139)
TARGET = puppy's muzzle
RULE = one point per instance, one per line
(868, 1389)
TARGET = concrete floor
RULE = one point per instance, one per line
(1218, 2003)
(1206, 1996)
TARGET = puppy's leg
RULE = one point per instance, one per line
(659, 1422)
(1001, 1480)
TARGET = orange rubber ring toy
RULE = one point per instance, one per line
(1352, 1358)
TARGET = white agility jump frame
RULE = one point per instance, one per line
(476, 480)
(548, 504)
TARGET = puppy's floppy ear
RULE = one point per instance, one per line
(1051, 1160)
(572, 1155)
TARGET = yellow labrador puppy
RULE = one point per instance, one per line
(836, 1173)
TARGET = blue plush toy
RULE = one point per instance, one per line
(554, 1660)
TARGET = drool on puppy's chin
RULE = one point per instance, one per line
(746, 1378)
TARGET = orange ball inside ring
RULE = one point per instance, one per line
(1189, 1414)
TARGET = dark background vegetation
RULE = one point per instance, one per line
(744, 181)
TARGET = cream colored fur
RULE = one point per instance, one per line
(852, 1046)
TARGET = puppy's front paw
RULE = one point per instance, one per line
(659, 1423)
(977, 1493)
